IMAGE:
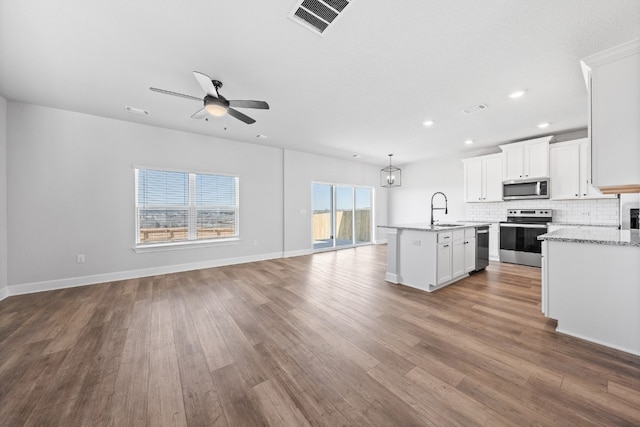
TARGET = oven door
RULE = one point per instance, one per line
(521, 237)
(519, 243)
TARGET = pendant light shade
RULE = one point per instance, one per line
(390, 176)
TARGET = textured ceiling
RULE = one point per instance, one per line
(365, 87)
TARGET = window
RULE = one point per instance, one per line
(176, 207)
(342, 215)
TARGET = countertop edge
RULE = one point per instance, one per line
(583, 236)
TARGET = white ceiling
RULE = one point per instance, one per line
(365, 87)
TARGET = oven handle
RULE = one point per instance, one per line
(523, 225)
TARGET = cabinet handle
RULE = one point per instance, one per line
(445, 237)
(445, 246)
(576, 195)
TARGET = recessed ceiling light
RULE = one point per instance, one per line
(544, 125)
(516, 94)
(428, 123)
(259, 136)
(469, 141)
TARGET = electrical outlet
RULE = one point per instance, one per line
(255, 243)
(80, 259)
(416, 243)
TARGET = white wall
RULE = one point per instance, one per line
(71, 191)
(301, 169)
(411, 203)
(3, 198)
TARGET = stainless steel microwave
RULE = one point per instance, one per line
(525, 189)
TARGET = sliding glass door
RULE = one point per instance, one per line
(322, 216)
(342, 216)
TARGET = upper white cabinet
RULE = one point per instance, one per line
(526, 159)
(483, 178)
(613, 80)
(570, 176)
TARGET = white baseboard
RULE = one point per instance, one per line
(301, 252)
(4, 292)
(28, 288)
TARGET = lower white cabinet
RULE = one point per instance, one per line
(444, 264)
(469, 254)
(427, 259)
(494, 242)
(461, 254)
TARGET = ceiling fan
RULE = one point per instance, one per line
(214, 103)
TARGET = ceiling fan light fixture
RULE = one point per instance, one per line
(216, 109)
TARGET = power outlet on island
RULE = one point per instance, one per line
(80, 259)
(417, 242)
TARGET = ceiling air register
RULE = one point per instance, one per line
(318, 15)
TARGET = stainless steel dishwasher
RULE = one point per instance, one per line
(482, 247)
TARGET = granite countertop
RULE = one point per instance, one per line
(603, 236)
(568, 224)
(435, 227)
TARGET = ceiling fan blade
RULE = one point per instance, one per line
(181, 95)
(242, 117)
(200, 113)
(206, 84)
(249, 104)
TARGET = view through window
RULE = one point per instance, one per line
(184, 206)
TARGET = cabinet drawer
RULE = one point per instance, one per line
(469, 233)
(444, 237)
(458, 235)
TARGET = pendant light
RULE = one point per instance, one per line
(390, 176)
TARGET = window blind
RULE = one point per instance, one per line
(181, 206)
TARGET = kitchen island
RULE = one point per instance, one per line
(430, 257)
(591, 284)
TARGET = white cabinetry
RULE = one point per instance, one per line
(463, 252)
(426, 259)
(570, 172)
(614, 129)
(526, 159)
(494, 242)
(443, 255)
(483, 178)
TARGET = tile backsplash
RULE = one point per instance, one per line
(591, 211)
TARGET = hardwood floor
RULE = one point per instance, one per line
(313, 340)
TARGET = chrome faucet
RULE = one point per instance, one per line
(446, 210)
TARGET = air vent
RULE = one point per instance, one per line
(318, 15)
(134, 110)
(475, 108)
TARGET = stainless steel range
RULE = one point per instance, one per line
(519, 242)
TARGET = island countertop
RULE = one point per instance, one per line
(603, 236)
(436, 227)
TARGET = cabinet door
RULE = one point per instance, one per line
(492, 175)
(494, 242)
(565, 171)
(473, 180)
(457, 258)
(512, 162)
(443, 273)
(587, 190)
(469, 254)
(615, 108)
(536, 160)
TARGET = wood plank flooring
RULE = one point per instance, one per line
(314, 340)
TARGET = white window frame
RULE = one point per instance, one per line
(192, 212)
